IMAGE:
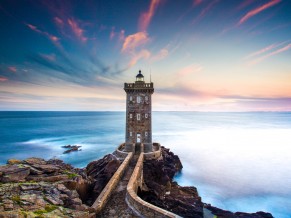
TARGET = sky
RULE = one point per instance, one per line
(202, 55)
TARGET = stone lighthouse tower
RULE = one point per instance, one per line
(138, 113)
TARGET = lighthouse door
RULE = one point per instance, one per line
(138, 138)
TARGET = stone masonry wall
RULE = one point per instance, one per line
(104, 196)
(145, 209)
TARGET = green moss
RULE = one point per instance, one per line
(47, 209)
(71, 175)
(16, 199)
(50, 208)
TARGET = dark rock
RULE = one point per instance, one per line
(28, 187)
(35, 160)
(81, 185)
(67, 146)
(101, 171)
(33, 170)
(47, 168)
(39, 178)
(163, 192)
(13, 173)
(71, 148)
(61, 164)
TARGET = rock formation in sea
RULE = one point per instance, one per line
(71, 148)
(38, 188)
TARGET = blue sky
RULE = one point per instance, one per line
(203, 55)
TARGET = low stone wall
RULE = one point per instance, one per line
(144, 208)
(119, 151)
(104, 196)
(155, 154)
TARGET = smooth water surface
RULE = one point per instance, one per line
(238, 161)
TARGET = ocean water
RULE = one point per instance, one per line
(238, 161)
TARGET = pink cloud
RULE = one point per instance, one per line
(49, 36)
(3, 79)
(190, 69)
(257, 10)
(53, 38)
(78, 31)
(205, 10)
(121, 35)
(50, 57)
(261, 51)
(59, 21)
(146, 17)
(12, 69)
(278, 51)
(163, 53)
(112, 33)
(143, 54)
(245, 4)
(134, 40)
(197, 2)
(32, 27)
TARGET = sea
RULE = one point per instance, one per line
(237, 161)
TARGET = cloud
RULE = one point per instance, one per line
(50, 57)
(257, 10)
(205, 10)
(245, 4)
(133, 41)
(121, 35)
(143, 54)
(163, 53)
(12, 69)
(254, 103)
(112, 33)
(278, 51)
(261, 51)
(190, 69)
(146, 17)
(197, 2)
(3, 79)
(78, 31)
(53, 38)
(59, 21)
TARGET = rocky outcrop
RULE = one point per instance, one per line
(100, 172)
(52, 188)
(163, 192)
(38, 188)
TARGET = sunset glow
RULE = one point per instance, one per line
(202, 55)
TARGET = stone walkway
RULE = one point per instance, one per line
(117, 206)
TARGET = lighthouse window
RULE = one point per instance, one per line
(146, 133)
(130, 134)
(138, 99)
(138, 116)
(146, 115)
(130, 98)
(130, 116)
(146, 98)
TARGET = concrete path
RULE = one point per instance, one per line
(117, 206)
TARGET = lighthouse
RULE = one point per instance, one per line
(139, 114)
